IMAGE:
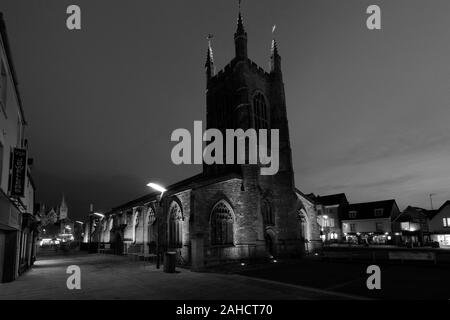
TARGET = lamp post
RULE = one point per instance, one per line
(161, 189)
(81, 226)
(92, 217)
(325, 227)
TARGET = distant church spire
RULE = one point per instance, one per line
(63, 209)
(209, 65)
(63, 201)
(240, 37)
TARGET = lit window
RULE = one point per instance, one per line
(446, 222)
(331, 222)
(111, 224)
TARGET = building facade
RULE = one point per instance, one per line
(329, 211)
(18, 230)
(439, 225)
(310, 223)
(370, 222)
(227, 212)
(412, 225)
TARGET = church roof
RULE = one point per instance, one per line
(332, 199)
(196, 181)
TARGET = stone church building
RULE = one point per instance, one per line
(227, 212)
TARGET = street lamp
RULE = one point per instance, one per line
(161, 189)
(325, 227)
(156, 187)
(99, 214)
(91, 222)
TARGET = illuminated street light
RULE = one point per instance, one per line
(99, 214)
(161, 189)
(157, 187)
(79, 222)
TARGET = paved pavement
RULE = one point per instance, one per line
(116, 277)
(412, 280)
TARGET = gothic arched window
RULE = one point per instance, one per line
(267, 213)
(151, 225)
(222, 225)
(260, 112)
(175, 226)
(135, 225)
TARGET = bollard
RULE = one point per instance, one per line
(170, 260)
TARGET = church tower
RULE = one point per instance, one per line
(241, 96)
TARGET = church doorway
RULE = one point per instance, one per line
(269, 244)
(118, 244)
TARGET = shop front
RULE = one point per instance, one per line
(9, 239)
(369, 238)
(443, 239)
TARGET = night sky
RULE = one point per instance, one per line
(368, 110)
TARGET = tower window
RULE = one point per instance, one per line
(221, 225)
(267, 214)
(260, 112)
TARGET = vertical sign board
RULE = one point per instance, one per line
(19, 172)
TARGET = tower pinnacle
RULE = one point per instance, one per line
(209, 65)
(275, 59)
(240, 37)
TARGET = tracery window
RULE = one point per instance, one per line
(260, 112)
(175, 226)
(222, 224)
(151, 225)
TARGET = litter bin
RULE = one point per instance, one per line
(170, 260)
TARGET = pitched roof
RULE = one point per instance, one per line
(432, 213)
(192, 182)
(332, 199)
(309, 197)
(366, 210)
(446, 203)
